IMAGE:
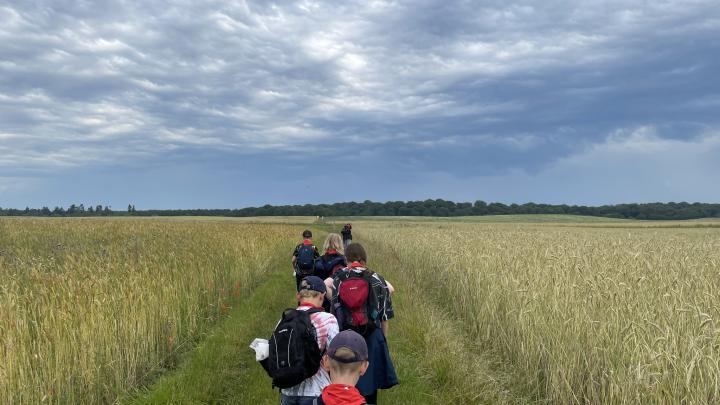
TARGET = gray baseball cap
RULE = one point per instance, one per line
(351, 340)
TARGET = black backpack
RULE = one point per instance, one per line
(294, 352)
(306, 259)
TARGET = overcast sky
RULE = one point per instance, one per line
(184, 104)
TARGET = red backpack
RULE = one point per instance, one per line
(356, 305)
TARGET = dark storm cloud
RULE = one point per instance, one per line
(469, 93)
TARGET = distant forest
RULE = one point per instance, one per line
(436, 208)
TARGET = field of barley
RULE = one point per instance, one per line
(91, 308)
(582, 314)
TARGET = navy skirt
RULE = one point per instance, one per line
(381, 372)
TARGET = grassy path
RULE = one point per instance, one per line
(222, 369)
(434, 359)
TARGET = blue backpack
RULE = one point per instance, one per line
(327, 265)
(305, 261)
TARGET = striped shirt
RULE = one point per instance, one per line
(326, 327)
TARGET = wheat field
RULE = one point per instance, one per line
(585, 315)
(91, 308)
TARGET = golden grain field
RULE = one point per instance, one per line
(619, 313)
(90, 308)
(588, 315)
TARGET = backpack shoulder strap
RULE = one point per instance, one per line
(306, 315)
(288, 312)
(344, 275)
(311, 328)
(372, 302)
(367, 274)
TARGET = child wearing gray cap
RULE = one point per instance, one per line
(346, 360)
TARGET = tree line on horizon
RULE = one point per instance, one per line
(435, 208)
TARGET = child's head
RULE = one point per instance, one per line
(312, 290)
(307, 234)
(333, 242)
(356, 253)
(347, 357)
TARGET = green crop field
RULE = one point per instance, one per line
(511, 309)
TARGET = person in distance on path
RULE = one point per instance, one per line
(346, 360)
(304, 257)
(347, 234)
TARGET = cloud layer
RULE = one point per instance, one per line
(395, 93)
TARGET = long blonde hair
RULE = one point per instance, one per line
(334, 241)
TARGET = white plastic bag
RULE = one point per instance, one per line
(261, 347)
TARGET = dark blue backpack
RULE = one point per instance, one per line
(327, 265)
(305, 261)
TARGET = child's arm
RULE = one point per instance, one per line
(384, 327)
(329, 288)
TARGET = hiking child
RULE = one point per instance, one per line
(346, 361)
(333, 259)
(330, 262)
(361, 301)
(303, 258)
(347, 234)
(312, 329)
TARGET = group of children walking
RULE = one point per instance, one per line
(332, 349)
